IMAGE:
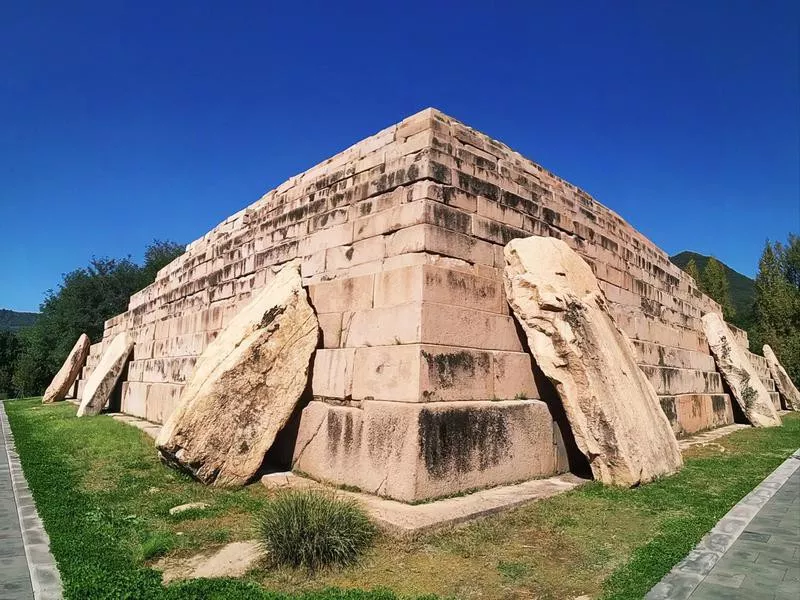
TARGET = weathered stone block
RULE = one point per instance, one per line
(690, 413)
(246, 386)
(414, 452)
(739, 373)
(69, 371)
(105, 375)
(612, 409)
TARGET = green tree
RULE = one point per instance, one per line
(715, 285)
(9, 347)
(158, 255)
(777, 304)
(84, 300)
(691, 269)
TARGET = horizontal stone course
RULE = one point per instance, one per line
(423, 373)
(673, 380)
(690, 413)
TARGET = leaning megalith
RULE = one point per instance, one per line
(247, 383)
(782, 380)
(739, 373)
(69, 371)
(104, 378)
(612, 409)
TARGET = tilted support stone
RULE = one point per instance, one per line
(739, 373)
(612, 409)
(69, 371)
(103, 379)
(245, 387)
(784, 384)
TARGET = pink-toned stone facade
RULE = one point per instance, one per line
(400, 239)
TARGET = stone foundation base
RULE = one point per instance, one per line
(419, 451)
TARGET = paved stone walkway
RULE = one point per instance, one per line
(764, 562)
(753, 553)
(27, 569)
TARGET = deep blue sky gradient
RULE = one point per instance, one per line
(128, 121)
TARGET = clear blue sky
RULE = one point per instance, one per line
(128, 121)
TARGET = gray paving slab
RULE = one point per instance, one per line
(752, 553)
(27, 568)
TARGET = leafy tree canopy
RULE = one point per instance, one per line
(84, 300)
(715, 285)
(777, 304)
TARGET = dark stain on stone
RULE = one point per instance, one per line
(460, 440)
(668, 406)
(349, 253)
(551, 217)
(719, 404)
(473, 185)
(448, 218)
(447, 369)
(439, 172)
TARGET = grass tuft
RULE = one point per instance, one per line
(307, 528)
(158, 544)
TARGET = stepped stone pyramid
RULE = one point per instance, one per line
(422, 386)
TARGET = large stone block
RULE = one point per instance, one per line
(690, 413)
(784, 384)
(612, 409)
(69, 371)
(441, 285)
(672, 380)
(414, 452)
(739, 374)
(105, 375)
(245, 387)
(430, 323)
(429, 373)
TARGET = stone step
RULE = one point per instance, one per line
(671, 380)
(690, 413)
(768, 383)
(650, 353)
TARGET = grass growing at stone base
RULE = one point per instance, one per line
(104, 499)
(313, 529)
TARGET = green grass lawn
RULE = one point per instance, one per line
(104, 498)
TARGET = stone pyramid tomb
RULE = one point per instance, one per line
(422, 384)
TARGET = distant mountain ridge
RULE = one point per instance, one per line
(742, 288)
(11, 320)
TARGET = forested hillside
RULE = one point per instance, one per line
(11, 320)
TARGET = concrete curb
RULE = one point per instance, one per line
(684, 577)
(45, 578)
